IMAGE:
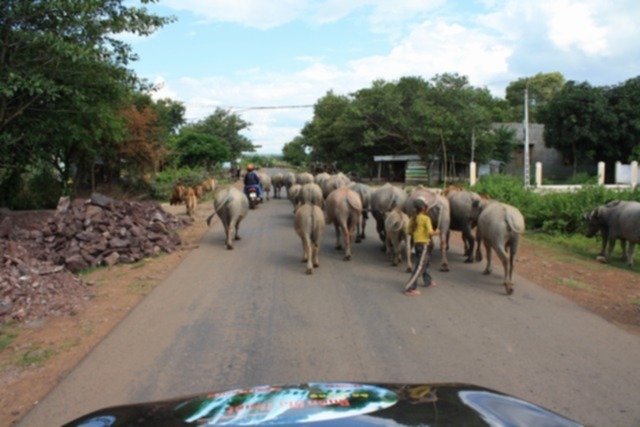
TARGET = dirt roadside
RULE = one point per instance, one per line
(45, 351)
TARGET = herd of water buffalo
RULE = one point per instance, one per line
(334, 199)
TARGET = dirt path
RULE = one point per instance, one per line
(45, 351)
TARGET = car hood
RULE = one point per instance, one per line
(334, 404)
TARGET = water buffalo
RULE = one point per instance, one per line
(395, 225)
(289, 180)
(310, 193)
(277, 181)
(304, 178)
(439, 213)
(334, 181)
(231, 205)
(343, 210)
(499, 227)
(265, 183)
(321, 178)
(309, 223)
(618, 219)
(364, 191)
(460, 203)
(292, 194)
(383, 200)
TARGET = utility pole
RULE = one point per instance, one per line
(527, 176)
(473, 144)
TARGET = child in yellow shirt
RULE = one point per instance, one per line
(421, 230)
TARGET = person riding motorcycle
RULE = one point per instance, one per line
(252, 179)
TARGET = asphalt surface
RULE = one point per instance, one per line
(227, 319)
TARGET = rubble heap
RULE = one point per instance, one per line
(38, 259)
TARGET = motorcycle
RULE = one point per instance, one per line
(254, 199)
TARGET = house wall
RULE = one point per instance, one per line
(553, 164)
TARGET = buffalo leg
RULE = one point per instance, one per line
(487, 249)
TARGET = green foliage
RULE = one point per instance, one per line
(294, 152)
(225, 126)
(542, 88)
(432, 118)
(192, 149)
(577, 123)
(7, 335)
(64, 78)
(558, 213)
(162, 183)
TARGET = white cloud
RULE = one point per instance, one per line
(514, 38)
(589, 27)
(162, 90)
(252, 13)
(436, 48)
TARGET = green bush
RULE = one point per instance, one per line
(551, 212)
(162, 183)
(39, 189)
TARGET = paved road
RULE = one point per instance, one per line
(227, 319)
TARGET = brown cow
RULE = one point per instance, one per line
(186, 195)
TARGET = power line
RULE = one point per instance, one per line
(271, 107)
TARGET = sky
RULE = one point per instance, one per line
(243, 54)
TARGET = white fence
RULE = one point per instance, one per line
(626, 178)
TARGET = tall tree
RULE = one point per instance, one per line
(577, 123)
(294, 151)
(542, 88)
(63, 77)
(226, 126)
(199, 150)
(624, 100)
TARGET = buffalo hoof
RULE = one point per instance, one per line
(309, 271)
(229, 247)
(468, 261)
(486, 272)
(238, 238)
(316, 265)
(444, 268)
(358, 240)
(408, 270)
(509, 288)
(338, 248)
(347, 258)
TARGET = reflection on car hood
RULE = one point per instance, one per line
(334, 404)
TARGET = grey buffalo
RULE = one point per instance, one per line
(277, 181)
(232, 206)
(499, 227)
(310, 193)
(343, 210)
(309, 224)
(460, 204)
(265, 183)
(304, 178)
(335, 181)
(395, 225)
(364, 191)
(289, 180)
(383, 201)
(618, 219)
(321, 178)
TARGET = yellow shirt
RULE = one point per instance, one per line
(420, 228)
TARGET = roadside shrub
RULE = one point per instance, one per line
(553, 212)
(162, 183)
